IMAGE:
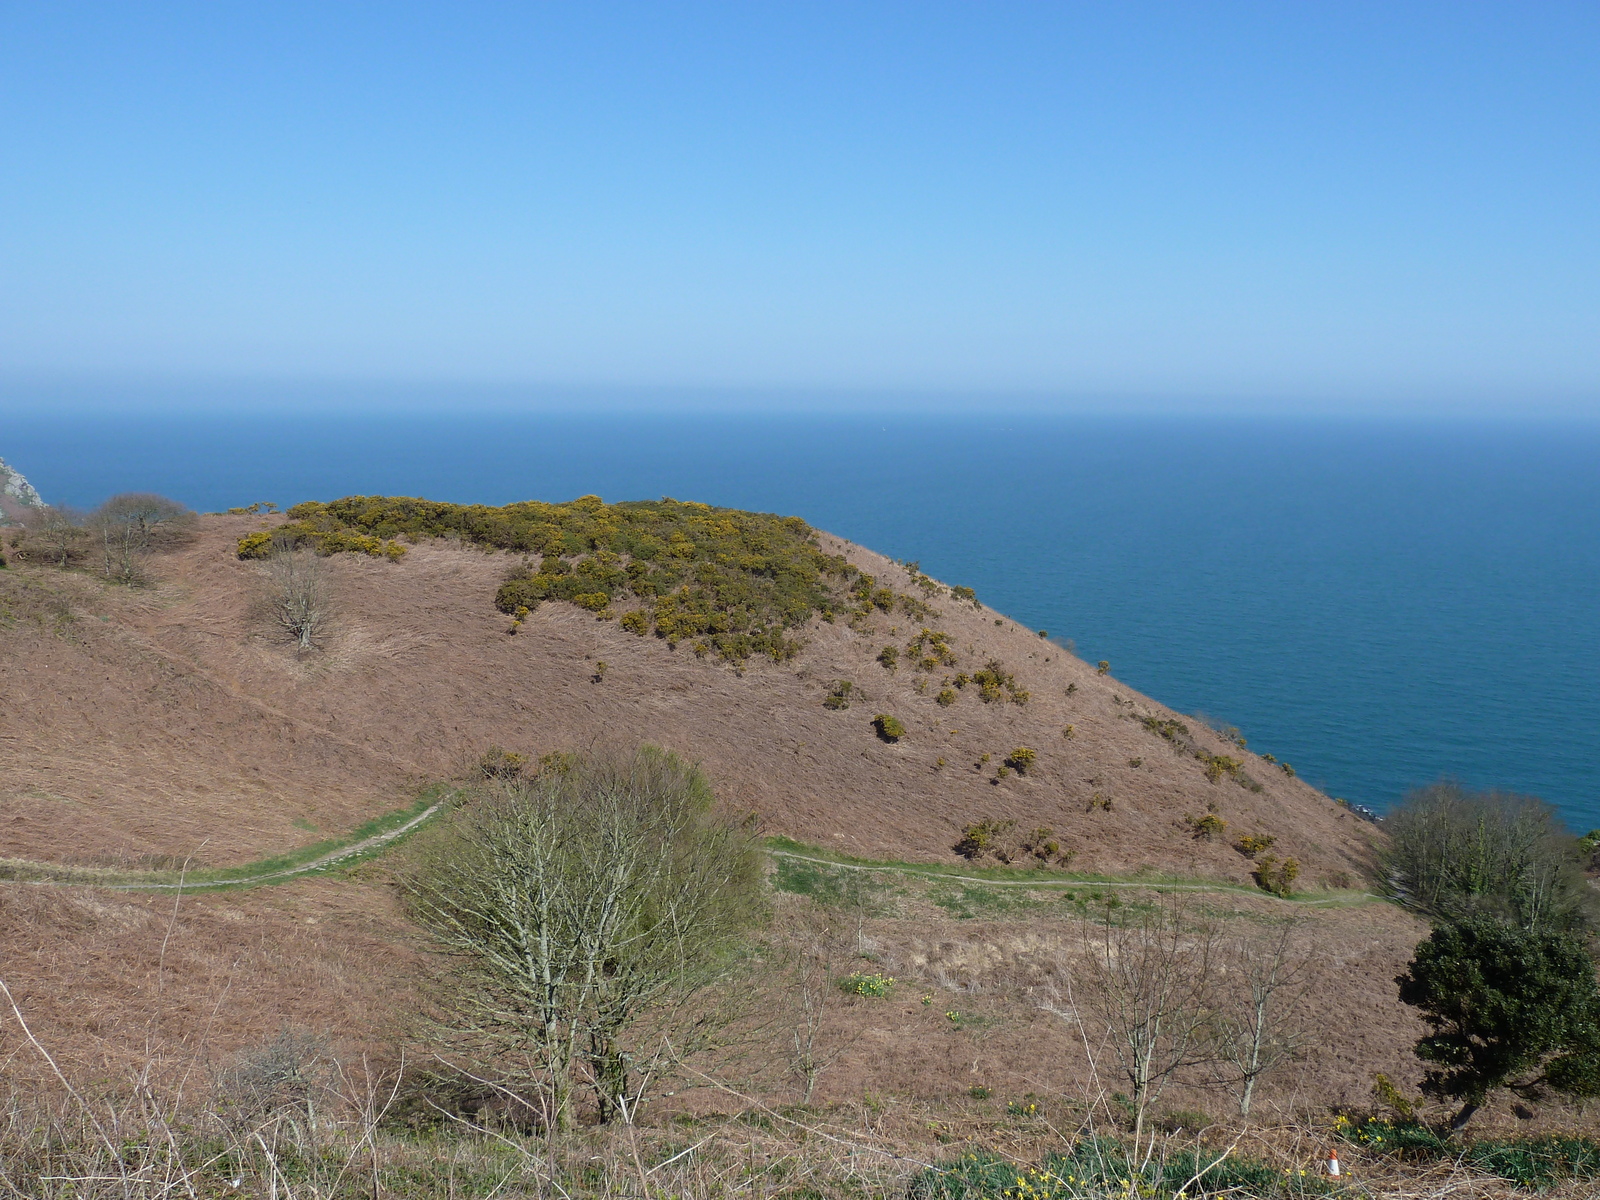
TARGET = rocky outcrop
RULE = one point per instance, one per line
(17, 495)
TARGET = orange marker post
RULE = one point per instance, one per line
(1333, 1164)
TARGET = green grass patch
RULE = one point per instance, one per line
(1099, 1168)
(1537, 1162)
(790, 870)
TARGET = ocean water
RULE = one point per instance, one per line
(1380, 604)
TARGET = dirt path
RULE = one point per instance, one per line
(376, 841)
(1057, 882)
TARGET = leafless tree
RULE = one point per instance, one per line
(300, 595)
(129, 527)
(821, 946)
(54, 533)
(1142, 994)
(1259, 1018)
(585, 912)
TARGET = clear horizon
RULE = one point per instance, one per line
(1356, 210)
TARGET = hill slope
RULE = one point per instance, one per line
(179, 721)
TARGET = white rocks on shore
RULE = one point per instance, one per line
(16, 494)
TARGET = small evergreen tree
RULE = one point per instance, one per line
(1508, 1008)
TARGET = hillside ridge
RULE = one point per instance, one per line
(178, 717)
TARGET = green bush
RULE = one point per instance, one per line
(1506, 1007)
(889, 657)
(946, 697)
(1275, 876)
(1021, 760)
(1206, 828)
(889, 729)
(966, 594)
(1102, 667)
(635, 622)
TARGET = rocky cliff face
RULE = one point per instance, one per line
(17, 495)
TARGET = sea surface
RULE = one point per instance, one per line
(1381, 604)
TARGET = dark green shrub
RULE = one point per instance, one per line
(946, 697)
(889, 729)
(1507, 1007)
(1102, 667)
(889, 657)
(966, 594)
(1206, 828)
(635, 622)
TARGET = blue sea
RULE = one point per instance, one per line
(1380, 604)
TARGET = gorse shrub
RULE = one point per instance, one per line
(635, 622)
(1207, 828)
(930, 650)
(1102, 667)
(1217, 765)
(495, 763)
(740, 582)
(889, 657)
(889, 729)
(1252, 844)
(1021, 760)
(946, 697)
(996, 683)
(1170, 730)
(988, 836)
(1277, 876)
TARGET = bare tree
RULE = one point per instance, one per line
(584, 911)
(1146, 974)
(133, 525)
(1258, 1016)
(300, 595)
(54, 533)
(822, 944)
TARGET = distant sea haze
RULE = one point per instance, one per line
(1381, 605)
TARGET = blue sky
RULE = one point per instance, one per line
(1278, 207)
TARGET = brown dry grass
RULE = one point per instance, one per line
(176, 722)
